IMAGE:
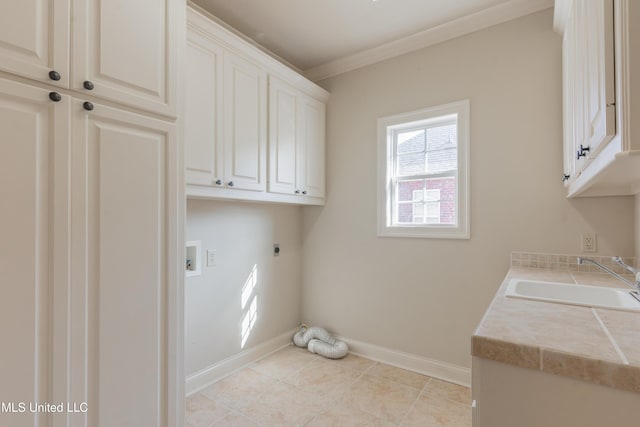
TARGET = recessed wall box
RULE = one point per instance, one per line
(193, 258)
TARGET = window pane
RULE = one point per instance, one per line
(441, 137)
(411, 142)
(405, 213)
(406, 189)
(442, 160)
(412, 163)
(447, 199)
(430, 201)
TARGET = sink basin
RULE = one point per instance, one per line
(563, 293)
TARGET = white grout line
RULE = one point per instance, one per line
(613, 341)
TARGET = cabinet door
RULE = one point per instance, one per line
(311, 172)
(569, 70)
(283, 137)
(203, 111)
(580, 123)
(123, 265)
(599, 73)
(245, 124)
(127, 49)
(34, 149)
(34, 39)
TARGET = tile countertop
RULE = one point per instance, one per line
(595, 345)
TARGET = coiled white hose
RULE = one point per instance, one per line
(320, 341)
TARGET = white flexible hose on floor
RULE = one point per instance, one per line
(319, 341)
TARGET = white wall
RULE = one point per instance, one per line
(243, 235)
(425, 296)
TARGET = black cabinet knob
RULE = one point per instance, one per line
(88, 85)
(87, 105)
(218, 182)
(55, 96)
(304, 192)
(565, 177)
(297, 191)
(230, 183)
(54, 75)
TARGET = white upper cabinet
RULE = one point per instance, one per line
(239, 131)
(296, 141)
(311, 158)
(284, 142)
(120, 50)
(245, 124)
(601, 42)
(599, 67)
(126, 50)
(203, 110)
(34, 39)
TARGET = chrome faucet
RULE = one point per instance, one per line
(635, 286)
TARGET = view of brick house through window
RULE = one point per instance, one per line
(423, 173)
(426, 151)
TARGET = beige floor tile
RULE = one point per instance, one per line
(399, 375)
(381, 397)
(239, 389)
(343, 415)
(284, 362)
(436, 411)
(235, 419)
(354, 362)
(285, 405)
(322, 377)
(202, 411)
(449, 391)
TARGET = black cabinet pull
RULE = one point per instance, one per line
(88, 85)
(87, 105)
(304, 192)
(297, 191)
(55, 96)
(582, 152)
(565, 177)
(230, 183)
(54, 75)
(218, 182)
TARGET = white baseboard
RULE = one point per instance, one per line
(422, 365)
(223, 368)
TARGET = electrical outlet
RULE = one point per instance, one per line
(589, 242)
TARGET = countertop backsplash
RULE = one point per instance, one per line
(566, 262)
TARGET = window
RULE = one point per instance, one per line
(423, 173)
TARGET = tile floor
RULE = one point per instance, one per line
(294, 387)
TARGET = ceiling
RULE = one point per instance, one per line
(311, 33)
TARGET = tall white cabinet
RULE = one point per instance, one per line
(90, 270)
(254, 128)
(34, 248)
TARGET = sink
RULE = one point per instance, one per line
(564, 293)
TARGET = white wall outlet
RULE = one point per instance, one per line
(589, 242)
(211, 257)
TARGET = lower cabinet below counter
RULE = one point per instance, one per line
(508, 396)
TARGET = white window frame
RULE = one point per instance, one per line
(387, 127)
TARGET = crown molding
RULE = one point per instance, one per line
(494, 15)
